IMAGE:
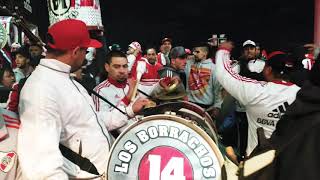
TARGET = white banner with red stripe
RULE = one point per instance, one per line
(87, 11)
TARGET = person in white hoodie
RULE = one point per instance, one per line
(265, 101)
(56, 111)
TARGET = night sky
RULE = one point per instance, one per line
(273, 23)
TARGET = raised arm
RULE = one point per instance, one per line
(242, 88)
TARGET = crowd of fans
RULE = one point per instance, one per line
(240, 93)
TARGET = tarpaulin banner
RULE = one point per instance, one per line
(11, 29)
(87, 11)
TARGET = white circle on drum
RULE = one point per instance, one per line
(168, 146)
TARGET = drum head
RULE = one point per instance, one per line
(186, 110)
(164, 147)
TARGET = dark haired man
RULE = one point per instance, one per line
(173, 74)
(116, 88)
(202, 86)
(163, 55)
(24, 68)
(36, 53)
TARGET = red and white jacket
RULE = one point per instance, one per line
(114, 92)
(161, 59)
(8, 145)
(265, 102)
(150, 76)
(13, 100)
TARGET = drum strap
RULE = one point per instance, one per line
(77, 159)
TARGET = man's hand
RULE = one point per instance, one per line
(169, 84)
(227, 45)
(139, 104)
(132, 82)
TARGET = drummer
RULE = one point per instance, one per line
(174, 74)
(56, 111)
(117, 88)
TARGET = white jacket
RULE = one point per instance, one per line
(56, 109)
(265, 102)
(9, 126)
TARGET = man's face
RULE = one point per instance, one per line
(152, 56)
(35, 51)
(130, 50)
(8, 79)
(118, 69)
(199, 54)
(21, 61)
(166, 47)
(180, 63)
(78, 56)
(249, 52)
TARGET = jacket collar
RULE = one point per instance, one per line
(55, 65)
(117, 84)
(283, 82)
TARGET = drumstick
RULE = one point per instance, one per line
(232, 155)
(141, 67)
(134, 93)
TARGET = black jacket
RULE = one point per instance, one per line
(301, 158)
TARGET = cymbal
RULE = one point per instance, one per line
(165, 96)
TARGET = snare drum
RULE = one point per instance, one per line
(165, 147)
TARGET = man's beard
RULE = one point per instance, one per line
(122, 80)
(153, 62)
(197, 59)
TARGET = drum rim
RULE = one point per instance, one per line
(181, 120)
(206, 117)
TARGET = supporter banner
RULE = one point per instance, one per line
(11, 29)
(3, 36)
(164, 147)
(86, 10)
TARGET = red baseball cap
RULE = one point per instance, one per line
(69, 34)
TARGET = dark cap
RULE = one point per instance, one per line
(69, 34)
(279, 61)
(177, 52)
(115, 47)
(166, 39)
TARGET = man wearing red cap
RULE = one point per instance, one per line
(56, 111)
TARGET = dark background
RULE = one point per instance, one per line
(273, 23)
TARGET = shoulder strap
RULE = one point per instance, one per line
(84, 163)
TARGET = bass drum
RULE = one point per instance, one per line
(164, 147)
